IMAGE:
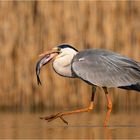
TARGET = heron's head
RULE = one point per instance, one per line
(61, 51)
(65, 50)
(55, 53)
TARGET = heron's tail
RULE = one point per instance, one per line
(132, 87)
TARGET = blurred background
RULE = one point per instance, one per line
(29, 28)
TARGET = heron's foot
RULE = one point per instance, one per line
(53, 117)
(105, 124)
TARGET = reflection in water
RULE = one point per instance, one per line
(108, 133)
(88, 125)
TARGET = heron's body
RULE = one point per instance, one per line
(98, 67)
(109, 69)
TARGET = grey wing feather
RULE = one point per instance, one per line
(106, 69)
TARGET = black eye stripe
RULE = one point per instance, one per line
(66, 46)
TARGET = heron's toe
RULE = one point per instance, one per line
(51, 117)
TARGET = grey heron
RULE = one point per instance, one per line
(97, 67)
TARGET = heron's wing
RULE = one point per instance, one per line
(103, 68)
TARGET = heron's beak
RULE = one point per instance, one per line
(54, 50)
(45, 58)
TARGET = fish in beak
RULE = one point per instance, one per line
(45, 58)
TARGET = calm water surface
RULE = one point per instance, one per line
(81, 126)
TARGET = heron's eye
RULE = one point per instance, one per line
(59, 49)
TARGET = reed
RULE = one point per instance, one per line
(31, 27)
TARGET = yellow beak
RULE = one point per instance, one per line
(54, 50)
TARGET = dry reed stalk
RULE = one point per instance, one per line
(29, 28)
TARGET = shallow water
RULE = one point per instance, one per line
(86, 125)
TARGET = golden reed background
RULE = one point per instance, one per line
(29, 28)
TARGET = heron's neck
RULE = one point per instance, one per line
(62, 65)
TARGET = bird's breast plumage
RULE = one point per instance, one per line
(62, 66)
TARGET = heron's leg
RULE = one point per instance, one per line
(109, 106)
(60, 115)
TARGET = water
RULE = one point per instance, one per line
(81, 126)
